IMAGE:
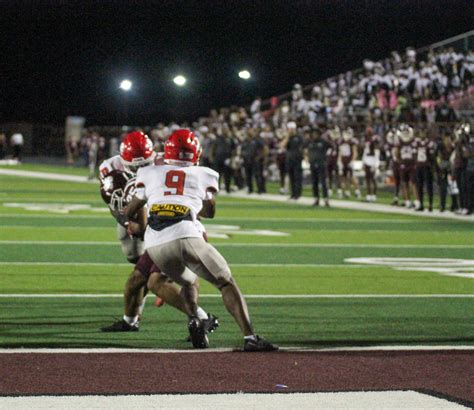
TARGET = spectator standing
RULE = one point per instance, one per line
(93, 151)
(254, 153)
(460, 165)
(224, 149)
(315, 149)
(469, 155)
(16, 141)
(207, 142)
(3, 145)
(294, 145)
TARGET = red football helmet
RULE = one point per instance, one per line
(182, 148)
(136, 150)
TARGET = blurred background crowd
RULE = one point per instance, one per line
(394, 122)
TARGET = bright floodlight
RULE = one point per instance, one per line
(244, 74)
(126, 85)
(179, 80)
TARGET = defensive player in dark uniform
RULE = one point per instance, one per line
(294, 145)
(254, 154)
(316, 149)
(424, 168)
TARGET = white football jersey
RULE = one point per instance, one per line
(115, 164)
(175, 185)
(111, 164)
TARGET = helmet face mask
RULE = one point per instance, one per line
(136, 151)
(182, 148)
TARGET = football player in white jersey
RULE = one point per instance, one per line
(117, 186)
(176, 194)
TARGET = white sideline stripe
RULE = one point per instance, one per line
(113, 350)
(250, 296)
(238, 265)
(306, 201)
(357, 206)
(254, 245)
(47, 175)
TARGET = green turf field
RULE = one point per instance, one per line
(56, 238)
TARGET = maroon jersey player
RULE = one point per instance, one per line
(393, 154)
(333, 135)
(348, 151)
(424, 168)
(407, 152)
(371, 161)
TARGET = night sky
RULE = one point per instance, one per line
(60, 58)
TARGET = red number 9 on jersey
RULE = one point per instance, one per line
(175, 180)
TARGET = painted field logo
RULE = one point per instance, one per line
(463, 268)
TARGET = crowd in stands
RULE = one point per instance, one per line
(391, 121)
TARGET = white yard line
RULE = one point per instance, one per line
(248, 296)
(255, 245)
(316, 219)
(237, 265)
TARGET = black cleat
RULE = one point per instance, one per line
(259, 345)
(121, 326)
(198, 334)
(211, 323)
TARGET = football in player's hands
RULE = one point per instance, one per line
(134, 229)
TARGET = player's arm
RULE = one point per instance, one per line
(209, 204)
(131, 211)
(138, 201)
(137, 226)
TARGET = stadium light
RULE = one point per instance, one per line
(126, 85)
(179, 80)
(244, 74)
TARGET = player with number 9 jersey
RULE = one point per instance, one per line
(174, 194)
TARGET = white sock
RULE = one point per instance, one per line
(131, 320)
(201, 313)
(142, 306)
(251, 337)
